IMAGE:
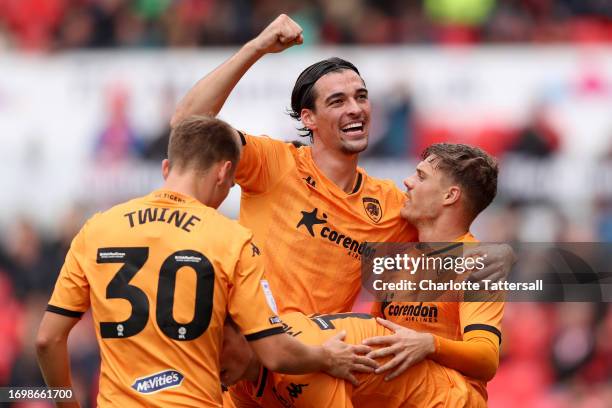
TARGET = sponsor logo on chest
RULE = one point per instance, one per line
(157, 382)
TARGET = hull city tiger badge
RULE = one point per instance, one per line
(372, 208)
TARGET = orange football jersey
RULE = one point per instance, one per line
(314, 234)
(423, 385)
(160, 273)
(450, 320)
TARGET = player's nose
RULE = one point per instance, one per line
(409, 182)
(353, 107)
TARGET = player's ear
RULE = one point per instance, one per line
(165, 168)
(452, 195)
(224, 171)
(307, 117)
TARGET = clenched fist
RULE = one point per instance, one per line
(279, 35)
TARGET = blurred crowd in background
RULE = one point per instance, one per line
(553, 355)
(70, 24)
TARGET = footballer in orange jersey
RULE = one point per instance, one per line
(312, 209)
(451, 186)
(314, 232)
(426, 384)
(161, 273)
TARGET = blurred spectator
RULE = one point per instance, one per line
(60, 24)
(117, 141)
(538, 139)
(396, 120)
(157, 148)
(26, 261)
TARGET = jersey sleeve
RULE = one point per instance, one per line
(251, 303)
(71, 294)
(481, 316)
(264, 162)
(477, 355)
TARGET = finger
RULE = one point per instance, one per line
(394, 362)
(367, 362)
(360, 368)
(290, 33)
(473, 253)
(485, 272)
(380, 340)
(388, 324)
(339, 336)
(400, 370)
(497, 277)
(383, 352)
(353, 380)
(361, 349)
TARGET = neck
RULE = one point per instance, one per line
(445, 228)
(340, 168)
(252, 371)
(189, 185)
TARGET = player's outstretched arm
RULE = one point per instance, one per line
(285, 354)
(52, 351)
(210, 93)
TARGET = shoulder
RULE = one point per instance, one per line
(381, 187)
(231, 229)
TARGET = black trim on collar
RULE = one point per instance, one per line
(358, 183)
(242, 137)
(262, 382)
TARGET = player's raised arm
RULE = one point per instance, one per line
(210, 93)
(285, 354)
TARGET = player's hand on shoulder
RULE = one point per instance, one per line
(498, 260)
(345, 359)
(279, 35)
(407, 346)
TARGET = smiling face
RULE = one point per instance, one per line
(428, 192)
(340, 119)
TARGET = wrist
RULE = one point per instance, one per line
(253, 50)
(326, 358)
(430, 343)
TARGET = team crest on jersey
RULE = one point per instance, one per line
(372, 208)
(157, 382)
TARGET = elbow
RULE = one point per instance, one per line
(490, 371)
(183, 112)
(487, 371)
(42, 344)
(45, 343)
(176, 118)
